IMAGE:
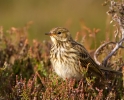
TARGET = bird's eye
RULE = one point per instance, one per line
(59, 33)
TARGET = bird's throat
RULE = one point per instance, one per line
(53, 40)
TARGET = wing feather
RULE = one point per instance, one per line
(86, 59)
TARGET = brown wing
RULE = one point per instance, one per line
(86, 59)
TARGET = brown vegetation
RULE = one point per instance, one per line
(26, 72)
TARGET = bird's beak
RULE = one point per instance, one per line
(47, 33)
(51, 34)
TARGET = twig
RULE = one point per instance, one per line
(116, 10)
(97, 52)
(118, 45)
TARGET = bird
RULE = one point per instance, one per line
(68, 57)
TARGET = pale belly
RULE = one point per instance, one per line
(67, 69)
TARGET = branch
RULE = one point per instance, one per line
(97, 52)
(118, 45)
(116, 10)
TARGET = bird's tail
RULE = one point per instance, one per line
(109, 70)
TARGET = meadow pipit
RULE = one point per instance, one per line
(67, 56)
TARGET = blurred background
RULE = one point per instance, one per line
(46, 14)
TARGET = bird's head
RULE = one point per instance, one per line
(59, 34)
